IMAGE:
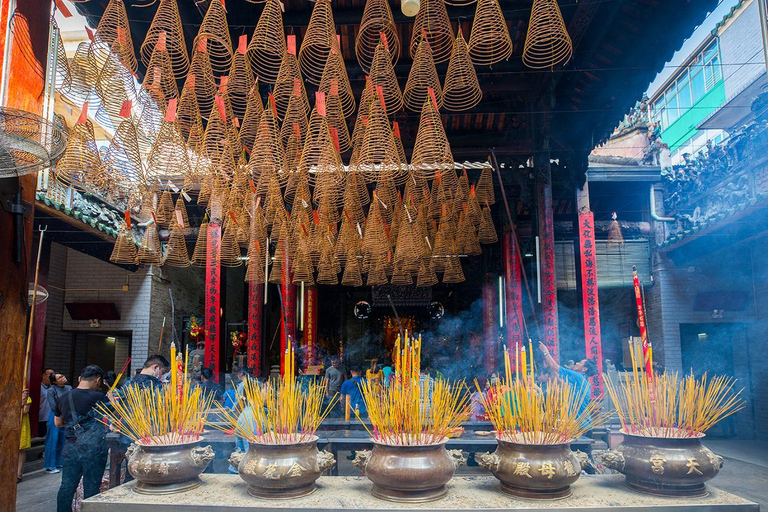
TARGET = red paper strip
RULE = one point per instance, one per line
(490, 323)
(170, 114)
(125, 110)
(288, 317)
(128, 219)
(432, 95)
(236, 122)
(62, 7)
(89, 32)
(161, 40)
(320, 103)
(384, 40)
(212, 298)
(380, 93)
(272, 102)
(233, 217)
(396, 128)
(296, 87)
(335, 138)
(292, 44)
(590, 304)
(548, 282)
(647, 349)
(179, 218)
(297, 131)
(472, 190)
(121, 35)
(83, 114)
(513, 296)
(335, 86)
(310, 329)
(255, 318)
(190, 81)
(316, 215)
(202, 45)
(242, 44)
(221, 107)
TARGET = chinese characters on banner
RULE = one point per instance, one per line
(548, 283)
(512, 292)
(255, 315)
(589, 300)
(310, 328)
(212, 298)
(490, 323)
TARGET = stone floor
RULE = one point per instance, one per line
(744, 473)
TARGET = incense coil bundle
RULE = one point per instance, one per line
(377, 19)
(168, 20)
(124, 250)
(378, 154)
(335, 78)
(319, 154)
(327, 188)
(249, 128)
(289, 83)
(487, 232)
(319, 40)
(113, 36)
(164, 212)
(180, 210)
(217, 145)
(348, 240)
(176, 254)
(352, 275)
(427, 275)
(383, 75)
(81, 158)
(150, 250)
(484, 191)
(188, 115)
(229, 255)
(292, 158)
(84, 75)
(453, 272)
(466, 239)
(255, 272)
(295, 122)
(335, 115)
(240, 82)
(114, 87)
(401, 276)
(423, 76)
(168, 156)
(267, 157)
(215, 30)
(444, 243)
(200, 253)
(433, 22)
(431, 151)
(159, 82)
(327, 272)
(302, 266)
(462, 89)
(354, 198)
(547, 42)
(123, 157)
(267, 45)
(489, 41)
(377, 274)
(205, 83)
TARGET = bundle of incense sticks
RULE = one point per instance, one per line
(665, 406)
(414, 411)
(281, 411)
(523, 412)
(159, 415)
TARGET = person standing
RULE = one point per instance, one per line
(209, 386)
(375, 375)
(154, 368)
(45, 409)
(335, 377)
(576, 376)
(351, 395)
(26, 434)
(85, 454)
(54, 437)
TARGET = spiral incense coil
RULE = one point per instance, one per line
(249, 127)
(378, 152)
(431, 151)
(176, 254)
(327, 273)
(462, 89)
(240, 81)
(114, 87)
(200, 253)
(295, 121)
(319, 154)
(267, 156)
(159, 82)
(63, 73)
(229, 255)
(335, 78)
(466, 240)
(113, 35)
(188, 115)
(487, 232)
(423, 75)
(168, 157)
(123, 157)
(303, 271)
(401, 276)
(81, 158)
(352, 276)
(377, 275)
(168, 20)
(150, 250)
(489, 41)
(318, 41)
(361, 121)
(217, 145)
(459, 3)
(124, 250)
(402, 176)
(148, 125)
(205, 83)
(427, 275)
(254, 273)
(383, 75)
(484, 189)
(164, 212)
(289, 82)
(433, 19)
(215, 30)
(453, 274)
(336, 120)
(377, 19)
(267, 45)
(547, 42)
(84, 74)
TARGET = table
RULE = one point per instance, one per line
(227, 493)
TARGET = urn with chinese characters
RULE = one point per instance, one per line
(167, 469)
(538, 471)
(282, 471)
(409, 473)
(665, 466)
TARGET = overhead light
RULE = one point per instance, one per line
(410, 7)
(110, 339)
(702, 336)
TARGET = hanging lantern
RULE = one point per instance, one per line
(410, 7)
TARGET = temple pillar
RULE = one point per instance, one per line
(547, 254)
(490, 323)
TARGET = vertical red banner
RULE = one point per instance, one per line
(213, 298)
(490, 323)
(548, 282)
(513, 296)
(590, 303)
(255, 316)
(288, 320)
(310, 326)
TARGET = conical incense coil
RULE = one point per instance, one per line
(84, 74)
(423, 76)
(487, 232)
(123, 157)
(295, 122)
(431, 151)
(63, 73)
(124, 250)
(352, 276)
(81, 156)
(326, 271)
(267, 45)
(459, 3)
(288, 81)
(267, 156)
(489, 41)
(462, 90)
(319, 154)
(167, 20)
(318, 41)
(217, 144)
(200, 253)
(401, 176)
(336, 121)
(433, 19)
(230, 248)
(547, 42)
(188, 115)
(159, 82)
(205, 83)
(164, 212)
(114, 87)
(335, 78)
(466, 239)
(168, 157)
(215, 30)
(383, 75)
(377, 19)
(484, 191)
(176, 254)
(255, 271)
(240, 80)
(150, 250)
(453, 272)
(302, 267)
(427, 275)
(401, 276)
(249, 127)
(113, 35)
(377, 275)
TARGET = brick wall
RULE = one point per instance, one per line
(58, 344)
(742, 42)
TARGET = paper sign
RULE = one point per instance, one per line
(161, 40)
(170, 114)
(179, 218)
(242, 44)
(128, 219)
(125, 111)
(396, 128)
(83, 114)
(320, 103)
(291, 44)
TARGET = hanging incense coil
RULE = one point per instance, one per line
(164, 211)
(327, 272)
(114, 87)
(336, 121)
(459, 3)
(423, 75)
(168, 20)
(240, 81)
(453, 272)
(168, 156)
(159, 83)
(255, 272)
(81, 158)
(113, 36)
(352, 275)
(229, 255)
(176, 254)
(489, 41)
(547, 43)
(205, 83)
(319, 154)
(200, 253)
(249, 128)
(124, 250)
(427, 275)
(377, 275)
(433, 20)
(150, 250)
(431, 151)
(466, 239)
(377, 19)
(267, 45)
(295, 121)
(267, 156)
(318, 41)
(63, 73)
(84, 75)
(487, 232)
(335, 78)
(383, 75)
(217, 144)
(484, 191)
(289, 83)
(462, 89)
(123, 157)
(215, 30)
(188, 115)
(402, 176)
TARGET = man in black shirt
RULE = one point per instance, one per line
(154, 368)
(85, 452)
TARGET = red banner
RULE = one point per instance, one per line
(255, 315)
(310, 328)
(213, 298)
(548, 283)
(288, 320)
(590, 302)
(513, 296)
(490, 323)
(647, 350)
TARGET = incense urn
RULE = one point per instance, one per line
(282, 471)
(167, 469)
(538, 471)
(664, 466)
(409, 474)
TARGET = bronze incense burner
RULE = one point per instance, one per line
(538, 471)
(664, 466)
(167, 469)
(282, 471)
(409, 474)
